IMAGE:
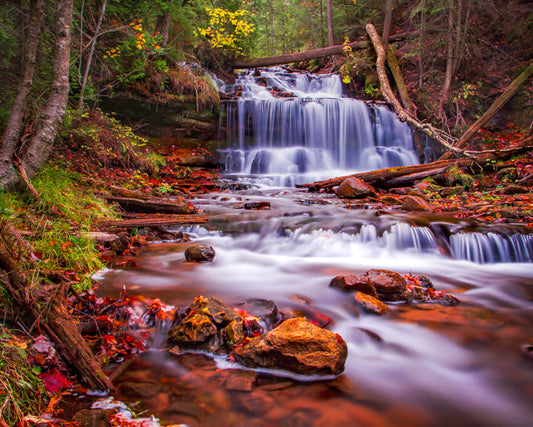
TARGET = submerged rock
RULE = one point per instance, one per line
(354, 188)
(298, 346)
(200, 253)
(370, 304)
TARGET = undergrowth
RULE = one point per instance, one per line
(21, 391)
(56, 224)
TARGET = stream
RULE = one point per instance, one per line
(421, 364)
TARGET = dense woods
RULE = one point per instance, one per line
(102, 92)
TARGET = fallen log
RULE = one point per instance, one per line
(407, 175)
(152, 205)
(289, 58)
(46, 304)
(153, 221)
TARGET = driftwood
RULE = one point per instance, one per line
(505, 97)
(289, 58)
(46, 304)
(400, 82)
(408, 175)
(154, 221)
(152, 205)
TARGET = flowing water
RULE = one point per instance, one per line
(419, 365)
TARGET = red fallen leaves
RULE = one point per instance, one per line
(54, 381)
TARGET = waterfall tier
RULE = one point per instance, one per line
(288, 128)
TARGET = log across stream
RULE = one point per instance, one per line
(420, 364)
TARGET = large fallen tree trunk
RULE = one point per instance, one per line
(505, 97)
(46, 303)
(408, 175)
(289, 58)
(153, 205)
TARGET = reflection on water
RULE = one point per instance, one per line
(419, 365)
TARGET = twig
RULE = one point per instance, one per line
(24, 177)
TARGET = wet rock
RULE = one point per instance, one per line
(370, 304)
(417, 193)
(257, 205)
(297, 346)
(419, 293)
(93, 417)
(352, 282)
(414, 203)
(207, 325)
(390, 286)
(486, 183)
(256, 403)
(265, 310)
(507, 174)
(391, 200)
(240, 380)
(515, 189)
(200, 253)
(354, 188)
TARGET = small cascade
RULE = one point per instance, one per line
(289, 128)
(491, 247)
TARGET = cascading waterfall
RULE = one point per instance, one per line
(287, 128)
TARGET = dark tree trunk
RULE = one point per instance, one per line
(11, 135)
(331, 42)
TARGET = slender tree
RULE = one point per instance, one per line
(331, 41)
(14, 124)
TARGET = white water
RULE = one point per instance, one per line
(313, 134)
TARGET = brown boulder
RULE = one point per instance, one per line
(354, 188)
(370, 304)
(390, 286)
(414, 203)
(200, 253)
(297, 346)
(351, 282)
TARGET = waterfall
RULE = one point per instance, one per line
(289, 128)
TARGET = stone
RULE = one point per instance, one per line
(390, 286)
(414, 203)
(370, 304)
(451, 191)
(265, 310)
(420, 293)
(200, 253)
(257, 205)
(138, 389)
(207, 325)
(352, 282)
(240, 380)
(354, 188)
(93, 417)
(298, 346)
(486, 183)
(391, 200)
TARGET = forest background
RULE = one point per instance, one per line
(63, 62)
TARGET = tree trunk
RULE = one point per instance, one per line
(272, 27)
(400, 82)
(92, 44)
(166, 26)
(388, 94)
(421, 43)
(42, 141)
(14, 124)
(505, 97)
(295, 57)
(331, 42)
(387, 25)
(46, 305)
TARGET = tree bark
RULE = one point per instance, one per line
(505, 97)
(154, 221)
(388, 94)
(46, 306)
(400, 82)
(11, 135)
(42, 141)
(331, 42)
(152, 205)
(387, 25)
(295, 57)
(92, 44)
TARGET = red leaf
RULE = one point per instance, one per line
(54, 381)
